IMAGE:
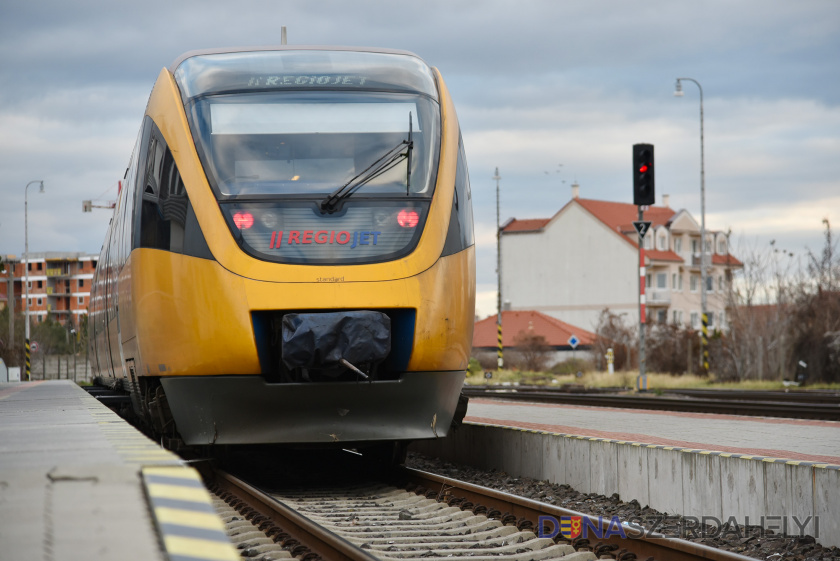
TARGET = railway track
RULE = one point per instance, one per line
(796, 405)
(420, 515)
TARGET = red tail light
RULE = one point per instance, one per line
(243, 220)
(408, 218)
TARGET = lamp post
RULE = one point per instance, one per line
(73, 335)
(705, 318)
(500, 360)
(26, 270)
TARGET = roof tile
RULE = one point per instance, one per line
(556, 332)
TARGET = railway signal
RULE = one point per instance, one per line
(643, 181)
(643, 195)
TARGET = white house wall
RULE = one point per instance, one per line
(571, 270)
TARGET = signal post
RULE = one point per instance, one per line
(643, 195)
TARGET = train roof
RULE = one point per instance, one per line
(224, 50)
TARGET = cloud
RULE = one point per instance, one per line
(536, 84)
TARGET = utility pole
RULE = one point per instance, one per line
(501, 360)
(10, 298)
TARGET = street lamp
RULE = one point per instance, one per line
(73, 335)
(26, 268)
(705, 319)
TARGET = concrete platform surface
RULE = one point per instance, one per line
(789, 439)
(78, 483)
(781, 474)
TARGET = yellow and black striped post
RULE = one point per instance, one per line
(704, 346)
(28, 362)
(501, 359)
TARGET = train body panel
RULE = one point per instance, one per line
(192, 316)
(233, 224)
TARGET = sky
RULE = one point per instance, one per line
(550, 92)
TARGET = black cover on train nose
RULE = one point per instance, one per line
(320, 340)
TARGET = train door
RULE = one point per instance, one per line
(106, 311)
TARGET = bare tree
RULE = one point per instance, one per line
(816, 318)
(533, 351)
(614, 333)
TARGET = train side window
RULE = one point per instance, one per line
(163, 215)
(461, 233)
(166, 217)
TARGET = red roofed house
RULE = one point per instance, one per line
(557, 333)
(585, 258)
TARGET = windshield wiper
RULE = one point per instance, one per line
(386, 162)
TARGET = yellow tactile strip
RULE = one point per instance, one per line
(187, 523)
(132, 446)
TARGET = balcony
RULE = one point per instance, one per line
(658, 297)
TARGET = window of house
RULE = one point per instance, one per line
(40, 301)
(648, 242)
(661, 244)
(648, 283)
(711, 316)
(28, 266)
(81, 283)
(662, 281)
(678, 245)
(81, 300)
(40, 284)
(679, 282)
(721, 246)
(695, 246)
(29, 285)
(677, 317)
(40, 266)
(693, 283)
(695, 320)
(662, 316)
(710, 283)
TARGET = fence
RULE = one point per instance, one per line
(60, 367)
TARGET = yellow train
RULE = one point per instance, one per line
(291, 258)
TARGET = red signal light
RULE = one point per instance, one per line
(408, 218)
(643, 168)
(243, 220)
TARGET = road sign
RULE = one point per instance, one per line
(642, 227)
(33, 346)
(574, 341)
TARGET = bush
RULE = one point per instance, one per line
(572, 366)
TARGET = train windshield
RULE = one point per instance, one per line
(305, 148)
(308, 122)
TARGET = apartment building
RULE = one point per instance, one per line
(585, 258)
(59, 284)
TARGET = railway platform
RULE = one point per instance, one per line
(783, 474)
(77, 482)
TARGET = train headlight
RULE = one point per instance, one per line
(269, 220)
(408, 218)
(243, 220)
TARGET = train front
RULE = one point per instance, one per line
(333, 194)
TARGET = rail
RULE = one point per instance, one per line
(306, 538)
(821, 406)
